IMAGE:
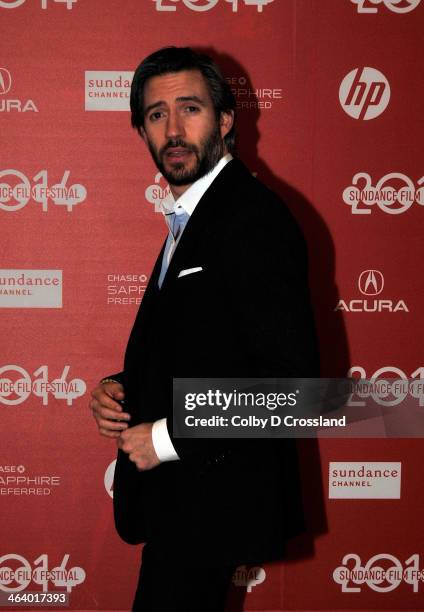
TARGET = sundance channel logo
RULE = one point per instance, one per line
(371, 480)
(30, 288)
(107, 90)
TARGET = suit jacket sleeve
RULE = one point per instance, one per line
(118, 377)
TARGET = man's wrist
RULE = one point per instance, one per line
(162, 443)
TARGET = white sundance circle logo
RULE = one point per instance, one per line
(109, 475)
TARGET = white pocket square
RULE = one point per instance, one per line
(189, 271)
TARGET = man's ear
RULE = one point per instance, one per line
(142, 133)
(226, 122)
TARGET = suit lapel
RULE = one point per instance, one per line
(147, 306)
(213, 207)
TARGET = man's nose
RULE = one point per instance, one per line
(174, 126)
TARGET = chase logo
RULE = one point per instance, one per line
(371, 282)
(5, 81)
(364, 93)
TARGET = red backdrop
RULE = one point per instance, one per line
(330, 101)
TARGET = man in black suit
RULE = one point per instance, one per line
(228, 297)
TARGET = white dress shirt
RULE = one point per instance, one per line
(187, 202)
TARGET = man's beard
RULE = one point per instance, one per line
(207, 154)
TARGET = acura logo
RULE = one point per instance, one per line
(371, 282)
(5, 81)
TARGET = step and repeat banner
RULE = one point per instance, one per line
(330, 115)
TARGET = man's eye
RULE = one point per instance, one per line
(155, 116)
(192, 109)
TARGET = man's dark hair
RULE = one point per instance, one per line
(176, 59)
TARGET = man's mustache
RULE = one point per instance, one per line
(178, 143)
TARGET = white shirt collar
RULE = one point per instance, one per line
(188, 201)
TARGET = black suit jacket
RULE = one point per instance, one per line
(246, 314)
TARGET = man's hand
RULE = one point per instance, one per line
(106, 410)
(137, 443)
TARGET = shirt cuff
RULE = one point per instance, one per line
(162, 442)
